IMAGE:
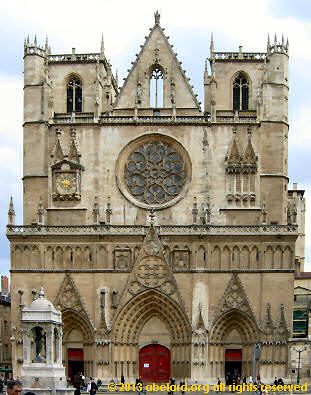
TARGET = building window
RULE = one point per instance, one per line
(74, 95)
(156, 87)
(5, 327)
(240, 93)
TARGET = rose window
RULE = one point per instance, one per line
(155, 173)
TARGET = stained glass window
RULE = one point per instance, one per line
(74, 95)
(155, 173)
(240, 93)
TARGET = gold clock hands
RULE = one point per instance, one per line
(66, 183)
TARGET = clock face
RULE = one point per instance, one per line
(66, 183)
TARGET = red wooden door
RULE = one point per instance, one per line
(234, 355)
(75, 361)
(154, 363)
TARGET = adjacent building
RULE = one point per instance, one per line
(5, 330)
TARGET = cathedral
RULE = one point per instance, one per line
(162, 230)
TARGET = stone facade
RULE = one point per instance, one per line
(150, 221)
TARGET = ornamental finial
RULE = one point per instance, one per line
(102, 45)
(157, 17)
(11, 213)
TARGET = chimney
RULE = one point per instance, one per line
(4, 285)
(295, 186)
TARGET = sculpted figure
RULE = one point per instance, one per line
(39, 340)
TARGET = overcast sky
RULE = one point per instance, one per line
(125, 23)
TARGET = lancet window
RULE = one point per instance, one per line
(74, 95)
(240, 92)
(156, 87)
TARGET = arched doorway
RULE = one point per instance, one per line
(151, 317)
(77, 343)
(75, 357)
(154, 363)
(231, 344)
(233, 362)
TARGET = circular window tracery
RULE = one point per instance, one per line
(153, 171)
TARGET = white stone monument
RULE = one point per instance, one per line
(42, 371)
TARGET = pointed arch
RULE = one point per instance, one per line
(49, 257)
(133, 316)
(234, 319)
(75, 320)
(74, 93)
(269, 258)
(235, 259)
(240, 91)
(233, 156)
(59, 258)
(249, 157)
(278, 258)
(26, 258)
(35, 258)
(156, 86)
(287, 258)
(201, 257)
(226, 258)
(216, 258)
(255, 258)
(245, 258)
(17, 262)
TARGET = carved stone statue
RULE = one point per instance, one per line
(289, 213)
(39, 341)
(173, 92)
(157, 17)
(139, 92)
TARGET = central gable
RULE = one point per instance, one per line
(157, 54)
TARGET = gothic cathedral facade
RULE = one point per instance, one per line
(163, 231)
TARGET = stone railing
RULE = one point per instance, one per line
(239, 56)
(163, 119)
(33, 230)
(222, 119)
(76, 119)
(30, 50)
(150, 120)
(87, 57)
(279, 48)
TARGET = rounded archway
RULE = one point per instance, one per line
(155, 363)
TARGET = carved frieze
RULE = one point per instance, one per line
(181, 258)
(122, 258)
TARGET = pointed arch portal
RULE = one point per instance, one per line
(78, 336)
(129, 325)
(233, 336)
